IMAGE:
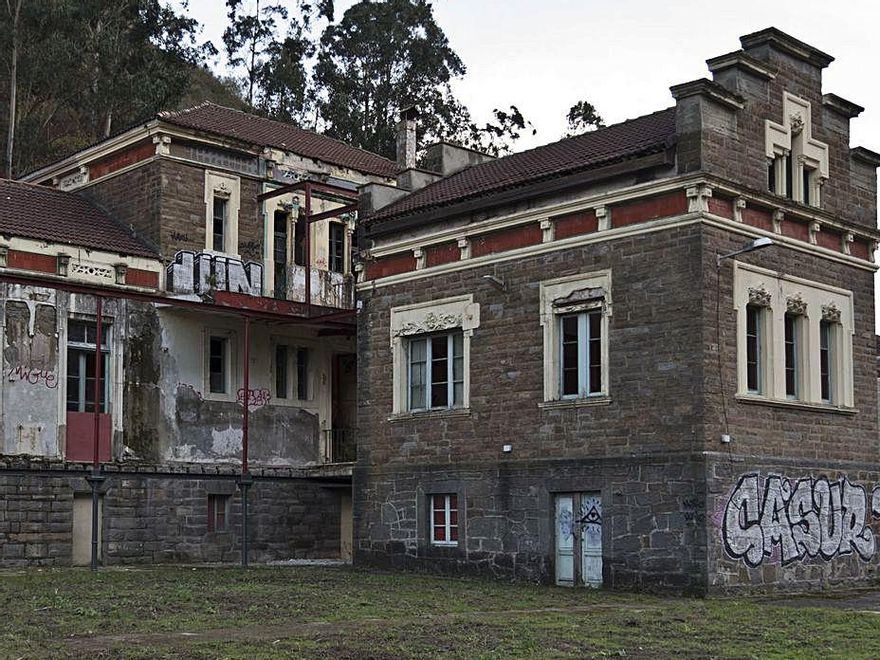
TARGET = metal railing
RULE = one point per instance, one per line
(340, 446)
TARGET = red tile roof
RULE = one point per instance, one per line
(216, 119)
(55, 216)
(636, 137)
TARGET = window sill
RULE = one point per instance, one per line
(796, 405)
(586, 402)
(430, 414)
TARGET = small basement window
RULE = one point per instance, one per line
(444, 519)
(218, 512)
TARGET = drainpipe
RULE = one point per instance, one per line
(96, 478)
(308, 249)
(245, 481)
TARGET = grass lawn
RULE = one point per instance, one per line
(327, 612)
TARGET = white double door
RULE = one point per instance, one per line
(578, 539)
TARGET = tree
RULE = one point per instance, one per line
(496, 138)
(13, 8)
(386, 55)
(582, 117)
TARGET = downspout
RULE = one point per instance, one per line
(308, 249)
(96, 478)
(245, 480)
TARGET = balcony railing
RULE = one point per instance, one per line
(340, 446)
(328, 289)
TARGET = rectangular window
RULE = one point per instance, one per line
(299, 239)
(281, 369)
(754, 348)
(218, 224)
(436, 371)
(444, 519)
(789, 172)
(792, 355)
(218, 355)
(218, 512)
(337, 247)
(81, 346)
(771, 176)
(302, 374)
(805, 185)
(580, 354)
(279, 253)
(826, 360)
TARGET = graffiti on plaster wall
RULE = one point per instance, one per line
(179, 236)
(201, 272)
(804, 518)
(32, 376)
(255, 398)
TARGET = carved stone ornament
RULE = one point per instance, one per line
(581, 298)
(797, 123)
(222, 189)
(831, 313)
(758, 295)
(430, 323)
(796, 305)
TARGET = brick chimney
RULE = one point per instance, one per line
(406, 138)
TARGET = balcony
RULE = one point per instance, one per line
(328, 289)
(340, 446)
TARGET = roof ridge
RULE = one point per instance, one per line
(286, 124)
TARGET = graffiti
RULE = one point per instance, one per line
(179, 236)
(33, 376)
(201, 272)
(805, 518)
(256, 398)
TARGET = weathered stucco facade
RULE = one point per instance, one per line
(633, 410)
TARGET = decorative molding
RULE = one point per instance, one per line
(778, 218)
(4, 255)
(421, 259)
(63, 264)
(831, 313)
(758, 295)
(698, 198)
(464, 244)
(847, 240)
(815, 228)
(739, 205)
(796, 305)
(92, 270)
(431, 322)
(547, 230)
(163, 145)
(121, 270)
(603, 215)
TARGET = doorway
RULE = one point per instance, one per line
(578, 539)
(82, 528)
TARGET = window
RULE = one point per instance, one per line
(218, 364)
(337, 247)
(218, 512)
(575, 313)
(279, 253)
(754, 348)
(81, 346)
(430, 352)
(792, 341)
(299, 239)
(826, 360)
(581, 354)
(436, 371)
(444, 519)
(218, 224)
(291, 379)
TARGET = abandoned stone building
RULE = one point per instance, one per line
(207, 256)
(640, 356)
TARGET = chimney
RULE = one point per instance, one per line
(406, 138)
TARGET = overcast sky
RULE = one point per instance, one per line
(623, 55)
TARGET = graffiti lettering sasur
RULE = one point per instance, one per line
(200, 272)
(806, 518)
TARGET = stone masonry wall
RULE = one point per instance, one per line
(156, 518)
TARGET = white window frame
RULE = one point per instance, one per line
(447, 512)
(429, 365)
(84, 348)
(227, 187)
(230, 366)
(556, 290)
(779, 293)
(426, 318)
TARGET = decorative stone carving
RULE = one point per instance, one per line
(815, 228)
(63, 263)
(739, 205)
(464, 245)
(698, 198)
(421, 259)
(222, 189)
(831, 313)
(778, 218)
(547, 230)
(759, 296)
(796, 122)
(603, 215)
(847, 241)
(796, 305)
(431, 322)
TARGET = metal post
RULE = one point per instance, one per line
(308, 248)
(245, 480)
(96, 477)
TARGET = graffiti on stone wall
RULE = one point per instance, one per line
(805, 518)
(201, 272)
(32, 376)
(255, 398)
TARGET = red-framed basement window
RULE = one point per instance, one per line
(444, 519)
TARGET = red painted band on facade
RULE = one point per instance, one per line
(125, 158)
(721, 206)
(575, 224)
(442, 253)
(860, 249)
(33, 261)
(796, 229)
(642, 210)
(394, 264)
(506, 239)
(758, 218)
(829, 239)
(149, 279)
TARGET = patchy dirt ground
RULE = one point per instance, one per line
(340, 612)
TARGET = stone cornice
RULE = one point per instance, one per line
(739, 60)
(709, 89)
(785, 43)
(842, 106)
